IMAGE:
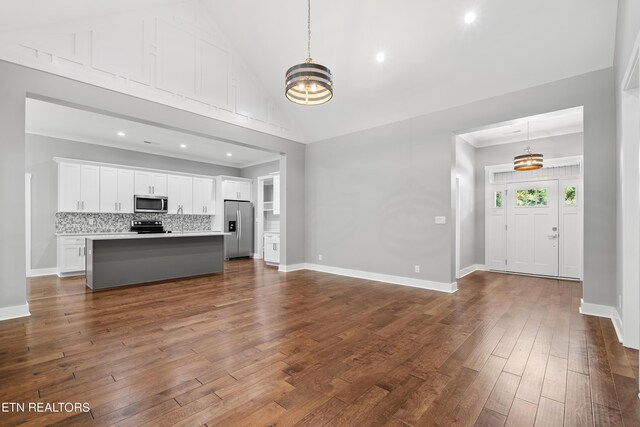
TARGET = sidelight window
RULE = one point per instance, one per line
(570, 196)
(497, 199)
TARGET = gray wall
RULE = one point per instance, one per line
(552, 147)
(372, 195)
(255, 171)
(40, 151)
(17, 81)
(465, 172)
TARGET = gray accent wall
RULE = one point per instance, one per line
(465, 173)
(552, 147)
(40, 151)
(18, 82)
(372, 195)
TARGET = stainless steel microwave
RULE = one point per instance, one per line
(152, 204)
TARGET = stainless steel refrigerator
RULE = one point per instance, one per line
(238, 220)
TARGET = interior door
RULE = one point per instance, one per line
(532, 228)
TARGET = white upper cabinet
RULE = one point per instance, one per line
(116, 190)
(276, 194)
(180, 193)
(203, 196)
(236, 190)
(149, 183)
(78, 188)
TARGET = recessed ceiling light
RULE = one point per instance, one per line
(470, 17)
(380, 57)
(183, 145)
(121, 134)
(229, 154)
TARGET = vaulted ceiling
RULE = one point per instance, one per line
(433, 60)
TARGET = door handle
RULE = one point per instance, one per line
(552, 236)
(240, 225)
(237, 225)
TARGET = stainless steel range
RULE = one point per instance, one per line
(147, 226)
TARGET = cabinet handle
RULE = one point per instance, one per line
(153, 189)
(85, 251)
(83, 205)
(78, 208)
(119, 206)
(149, 189)
(116, 205)
(79, 251)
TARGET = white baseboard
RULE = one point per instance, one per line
(15, 311)
(292, 267)
(472, 268)
(607, 311)
(395, 280)
(35, 272)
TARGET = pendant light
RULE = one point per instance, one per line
(529, 161)
(309, 83)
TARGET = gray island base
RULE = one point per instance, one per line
(114, 261)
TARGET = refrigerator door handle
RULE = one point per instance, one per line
(237, 225)
(240, 225)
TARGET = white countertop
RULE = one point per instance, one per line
(126, 236)
(104, 233)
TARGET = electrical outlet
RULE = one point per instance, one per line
(320, 257)
(416, 268)
(91, 221)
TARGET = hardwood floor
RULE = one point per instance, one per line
(257, 347)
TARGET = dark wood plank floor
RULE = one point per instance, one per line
(258, 347)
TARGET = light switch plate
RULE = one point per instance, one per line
(441, 220)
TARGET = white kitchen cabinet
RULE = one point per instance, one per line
(149, 183)
(71, 255)
(203, 197)
(116, 190)
(272, 248)
(276, 194)
(180, 193)
(236, 190)
(78, 188)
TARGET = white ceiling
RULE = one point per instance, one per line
(433, 60)
(44, 118)
(540, 126)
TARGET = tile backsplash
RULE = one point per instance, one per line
(72, 222)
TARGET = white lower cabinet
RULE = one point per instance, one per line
(71, 255)
(272, 248)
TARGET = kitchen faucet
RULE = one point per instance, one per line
(181, 213)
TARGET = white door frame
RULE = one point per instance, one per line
(27, 222)
(491, 186)
(629, 226)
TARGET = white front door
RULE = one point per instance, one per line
(532, 228)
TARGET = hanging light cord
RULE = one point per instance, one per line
(309, 30)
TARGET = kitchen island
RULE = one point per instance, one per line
(128, 259)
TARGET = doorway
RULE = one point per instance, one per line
(534, 226)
